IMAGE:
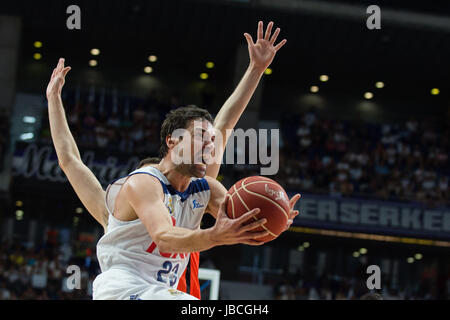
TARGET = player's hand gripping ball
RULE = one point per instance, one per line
(266, 194)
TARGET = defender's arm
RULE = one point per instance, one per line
(261, 55)
(81, 178)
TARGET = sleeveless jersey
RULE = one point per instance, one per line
(128, 245)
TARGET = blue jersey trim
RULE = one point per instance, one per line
(195, 186)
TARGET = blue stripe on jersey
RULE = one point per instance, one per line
(195, 186)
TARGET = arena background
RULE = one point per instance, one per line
(373, 171)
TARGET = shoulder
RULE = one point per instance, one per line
(142, 177)
(215, 186)
(151, 170)
(140, 182)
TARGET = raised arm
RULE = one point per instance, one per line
(81, 178)
(168, 238)
(261, 55)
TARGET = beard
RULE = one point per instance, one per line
(193, 170)
(197, 170)
(197, 166)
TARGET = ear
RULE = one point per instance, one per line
(171, 141)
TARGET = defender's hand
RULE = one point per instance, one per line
(263, 51)
(292, 213)
(57, 79)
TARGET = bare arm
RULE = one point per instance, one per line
(218, 195)
(154, 215)
(81, 178)
(261, 55)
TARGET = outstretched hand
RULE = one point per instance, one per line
(263, 51)
(57, 79)
(292, 213)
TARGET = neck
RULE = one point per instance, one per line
(179, 180)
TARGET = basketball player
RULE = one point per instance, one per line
(83, 181)
(155, 214)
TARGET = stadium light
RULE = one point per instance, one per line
(204, 76)
(95, 52)
(93, 63)
(379, 84)
(148, 69)
(323, 78)
(37, 56)
(368, 95)
(435, 91)
(268, 71)
(37, 44)
(19, 214)
(314, 89)
(210, 65)
(28, 119)
(27, 136)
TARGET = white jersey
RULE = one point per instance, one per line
(127, 245)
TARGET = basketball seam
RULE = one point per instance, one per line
(262, 196)
(250, 183)
(245, 205)
(265, 228)
(237, 193)
(232, 205)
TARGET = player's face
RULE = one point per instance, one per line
(202, 135)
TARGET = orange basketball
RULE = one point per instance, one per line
(265, 194)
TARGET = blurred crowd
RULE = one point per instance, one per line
(40, 272)
(4, 135)
(336, 287)
(115, 124)
(392, 161)
(395, 161)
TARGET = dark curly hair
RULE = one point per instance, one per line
(179, 119)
